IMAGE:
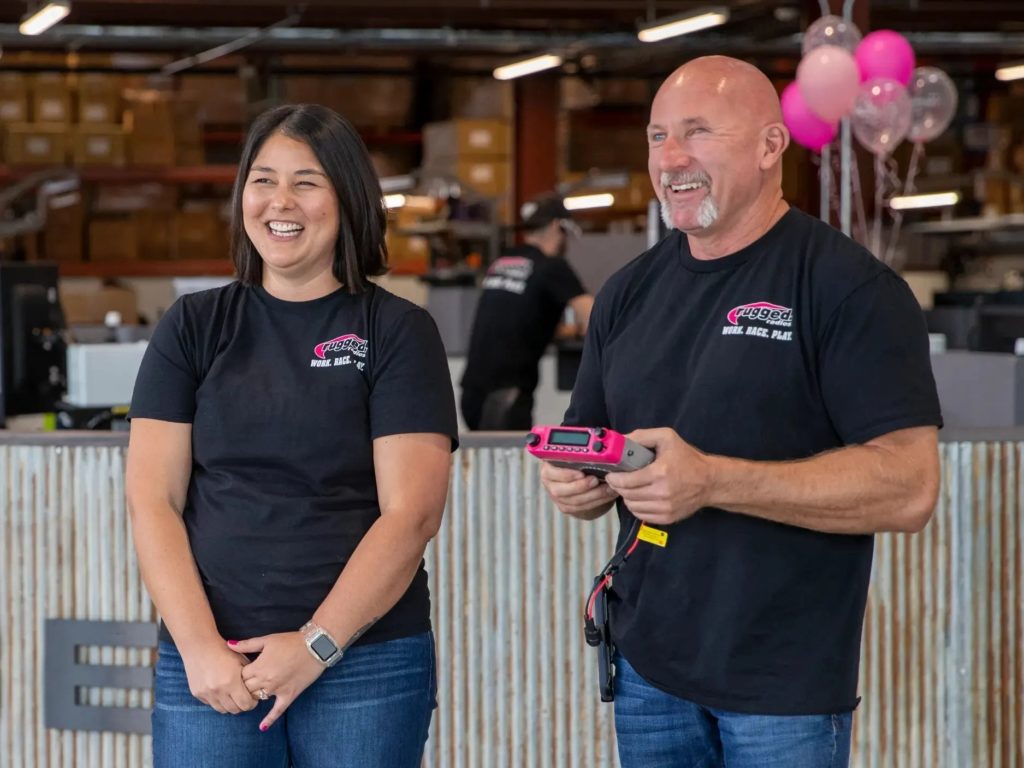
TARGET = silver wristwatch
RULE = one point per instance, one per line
(321, 645)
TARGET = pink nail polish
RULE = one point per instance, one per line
(264, 727)
(232, 642)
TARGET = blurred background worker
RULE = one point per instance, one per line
(525, 293)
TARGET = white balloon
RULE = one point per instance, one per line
(831, 30)
(932, 101)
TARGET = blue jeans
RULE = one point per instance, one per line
(658, 730)
(371, 710)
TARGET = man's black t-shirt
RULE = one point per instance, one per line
(285, 400)
(523, 297)
(800, 343)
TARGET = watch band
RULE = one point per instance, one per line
(321, 645)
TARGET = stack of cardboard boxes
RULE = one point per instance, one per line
(51, 118)
(476, 152)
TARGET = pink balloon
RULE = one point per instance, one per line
(884, 53)
(805, 127)
(828, 81)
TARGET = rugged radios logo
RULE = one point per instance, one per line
(349, 343)
(761, 312)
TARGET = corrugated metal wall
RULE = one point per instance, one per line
(943, 666)
(65, 552)
(942, 670)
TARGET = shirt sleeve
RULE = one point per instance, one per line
(874, 363)
(561, 283)
(412, 387)
(165, 387)
(587, 406)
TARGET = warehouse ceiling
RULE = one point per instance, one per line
(452, 31)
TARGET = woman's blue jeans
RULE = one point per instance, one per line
(371, 710)
(658, 730)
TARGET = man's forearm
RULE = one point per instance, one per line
(857, 489)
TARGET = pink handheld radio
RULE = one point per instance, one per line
(592, 450)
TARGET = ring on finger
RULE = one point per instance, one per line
(262, 694)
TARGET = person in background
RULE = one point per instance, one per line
(523, 298)
(781, 375)
(291, 438)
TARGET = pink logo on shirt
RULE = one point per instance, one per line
(347, 343)
(772, 314)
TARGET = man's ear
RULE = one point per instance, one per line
(774, 139)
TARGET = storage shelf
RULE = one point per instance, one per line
(169, 268)
(974, 224)
(172, 174)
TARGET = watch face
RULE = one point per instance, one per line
(323, 647)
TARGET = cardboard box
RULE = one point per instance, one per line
(99, 145)
(491, 178)
(35, 144)
(149, 123)
(126, 198)
(99, 98)
(51, 98)
(368, 101)
(466, 139)
(13, 98)
(112, 238)
(64, 235)
(90, 307)
(200, 232)
(151, 151)
(407, 255)
(481, 97)
(154, 234)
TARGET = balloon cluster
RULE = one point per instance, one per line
(872, 81)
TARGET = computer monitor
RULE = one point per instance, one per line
(32, 346)
(999, 327)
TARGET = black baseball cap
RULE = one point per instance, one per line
(541, 211)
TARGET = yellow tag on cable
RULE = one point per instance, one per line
(652, 535)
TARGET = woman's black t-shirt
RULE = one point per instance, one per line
(285, 400)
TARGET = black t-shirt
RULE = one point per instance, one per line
(523, 297)
(285, 399)
(800, 343)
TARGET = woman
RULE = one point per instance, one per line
(288, 463)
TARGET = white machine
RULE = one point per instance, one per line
(101, 375)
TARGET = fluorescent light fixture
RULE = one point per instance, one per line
(394, 201)
(397, 183)
(933, 200)
(44, 17)
(527, 66)
(1010, 72)
(683, 24)
(581, 202)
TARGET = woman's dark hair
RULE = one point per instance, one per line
(360, 251)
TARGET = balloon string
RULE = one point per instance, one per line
(908, 187)
(880, 179)
(860, 226)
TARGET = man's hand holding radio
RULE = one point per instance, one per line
(672, 487)
(575, 493)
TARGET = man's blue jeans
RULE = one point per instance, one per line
(371, 710)
(658, 730)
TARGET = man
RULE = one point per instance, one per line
(781, 375)
(524, 296)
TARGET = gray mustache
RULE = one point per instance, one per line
(669, 179)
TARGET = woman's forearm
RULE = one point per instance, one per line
(377, 575)
(171, 577)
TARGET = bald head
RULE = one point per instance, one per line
(715, 143)
(736, 84)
